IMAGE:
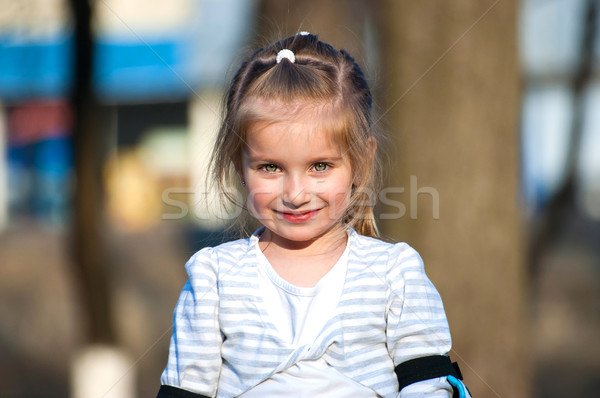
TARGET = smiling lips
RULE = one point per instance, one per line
(299, 217)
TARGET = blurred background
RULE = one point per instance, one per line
(107, 113)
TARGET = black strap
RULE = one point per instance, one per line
(174, 392)
(426, 368)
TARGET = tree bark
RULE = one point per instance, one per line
(452, 104)
(450, 85)
(338, 22)
(88, 239)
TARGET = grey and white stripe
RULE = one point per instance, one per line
(224, 344)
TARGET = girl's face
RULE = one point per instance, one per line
(298, 182)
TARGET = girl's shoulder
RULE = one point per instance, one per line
(231, 252)
(393, 256)
(242, 244)
(367, 244)
(395, 263)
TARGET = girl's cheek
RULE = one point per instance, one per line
(254, 209)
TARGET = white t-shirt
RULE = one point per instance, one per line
(299, 314)
(229, 334)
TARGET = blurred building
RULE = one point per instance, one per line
(158, 71)
(551, 51)
(560, 53)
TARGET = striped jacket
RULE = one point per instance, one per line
(223, 343)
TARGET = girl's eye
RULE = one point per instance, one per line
(320, 166)
(271, 168)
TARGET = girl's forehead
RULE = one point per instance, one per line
(290, 132)
(290, 142)
(293, 132)
(275, 110)
(310, 118)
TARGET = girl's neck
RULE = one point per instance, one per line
(303, 263)
(330, 242)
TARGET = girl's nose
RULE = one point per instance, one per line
(295, 191)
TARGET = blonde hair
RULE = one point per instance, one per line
(319, 76)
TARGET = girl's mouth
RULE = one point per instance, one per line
(299, 217)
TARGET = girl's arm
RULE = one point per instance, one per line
(194, 363)
(416, 321)
(174, 392)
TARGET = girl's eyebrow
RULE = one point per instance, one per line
(316, 159)
(330, 158)
(259, 158)
(326, 158)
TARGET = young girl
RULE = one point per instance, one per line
(312, 304)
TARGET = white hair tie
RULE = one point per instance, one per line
(303, 33)
(285, 53)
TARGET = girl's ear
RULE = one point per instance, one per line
(370, 150)
(240, 174)
(371, 147)
(241, 177)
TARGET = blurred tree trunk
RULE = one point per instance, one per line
(451, 84)
(334, 21)
(554, 216)
(452, 81)
(89, 246)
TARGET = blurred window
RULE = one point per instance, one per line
(551, 51)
